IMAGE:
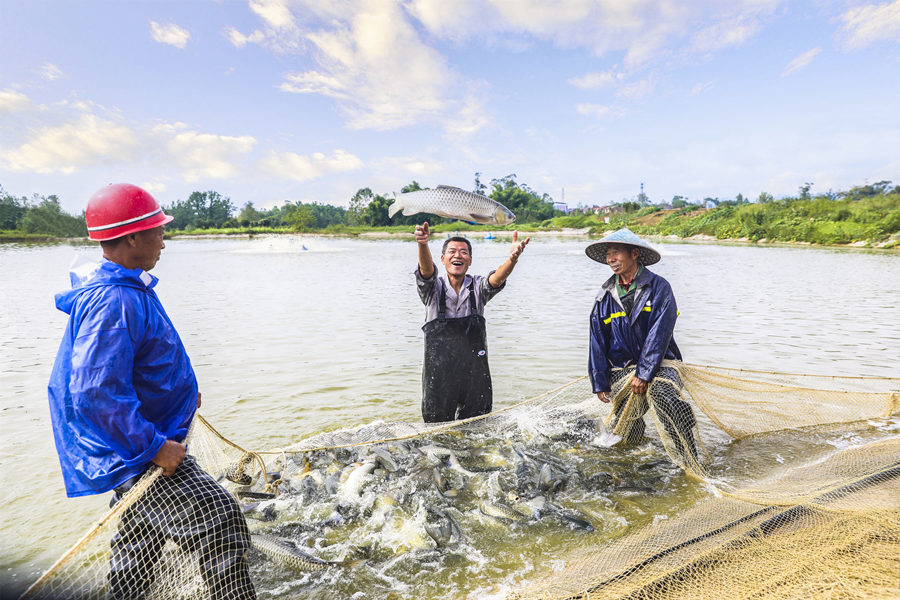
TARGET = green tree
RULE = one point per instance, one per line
(358, 204)
(45, 216)
(299, 217)
(804, 190)
(249, 215)
(376, 213)
(524, 202)
(202, 210)
(480, 188)
(11, 210)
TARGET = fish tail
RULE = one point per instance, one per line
(394, 208)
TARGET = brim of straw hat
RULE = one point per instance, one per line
(597, 250)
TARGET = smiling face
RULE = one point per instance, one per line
(622, 258)
(457, 258)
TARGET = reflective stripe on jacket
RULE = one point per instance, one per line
(643, 338)
(122, 383)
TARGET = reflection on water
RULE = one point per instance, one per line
(288, 342)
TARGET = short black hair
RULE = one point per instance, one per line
(456, 238)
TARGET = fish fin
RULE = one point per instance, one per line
(350, 563)
(394, 207)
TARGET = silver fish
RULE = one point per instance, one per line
(499, 511)
(446, 532)
(453, 203)
(284, 551)
(384, 458)
(349, 490)
(446, 487)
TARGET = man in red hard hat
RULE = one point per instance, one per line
(122, 396)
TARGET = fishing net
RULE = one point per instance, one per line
(795, 479)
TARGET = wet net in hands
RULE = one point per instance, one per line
(821, 506)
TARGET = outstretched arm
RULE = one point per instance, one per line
(426, 262)
(499, 276)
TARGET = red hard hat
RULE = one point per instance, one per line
(120, 209)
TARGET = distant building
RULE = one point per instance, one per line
(561, 206)
(711, 204)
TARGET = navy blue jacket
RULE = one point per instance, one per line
(122, 383)
(643, 338)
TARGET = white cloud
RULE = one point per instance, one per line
(637, 89)
(169, 33)
(275, 13)
(314, 82)
(470, 116)
(732, 31)
(644, 31)
(154, 187)
(599, 111)
(452, 20)
(380, 60)
(422, 168)
(414, 165)
(701, 87)
(206, 155)
(50, 72)
(290, 165)
(593, 81)
(801, 61)
(84, 142)
(280, 32)
(378, 68)
(864, 25)
(239, 40)
(12, 101)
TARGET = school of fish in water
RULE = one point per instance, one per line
(374, 516)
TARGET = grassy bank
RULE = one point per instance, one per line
(871, 220)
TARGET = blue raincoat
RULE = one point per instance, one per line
(643, 338)
(122, 383)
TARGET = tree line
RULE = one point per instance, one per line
(210, 210)
(868, 212)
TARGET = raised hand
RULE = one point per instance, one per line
(422, 233)
(517, 247)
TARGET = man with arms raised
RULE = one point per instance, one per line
(631, 333)
(456, 380)
(122, 396)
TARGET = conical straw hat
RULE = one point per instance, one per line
(597, 250)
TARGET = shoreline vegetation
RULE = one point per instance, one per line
(863, 217)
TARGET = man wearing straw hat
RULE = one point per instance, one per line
(631, 333)
(122, 396)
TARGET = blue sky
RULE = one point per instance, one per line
(285, 100)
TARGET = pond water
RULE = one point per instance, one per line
(294, 335)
